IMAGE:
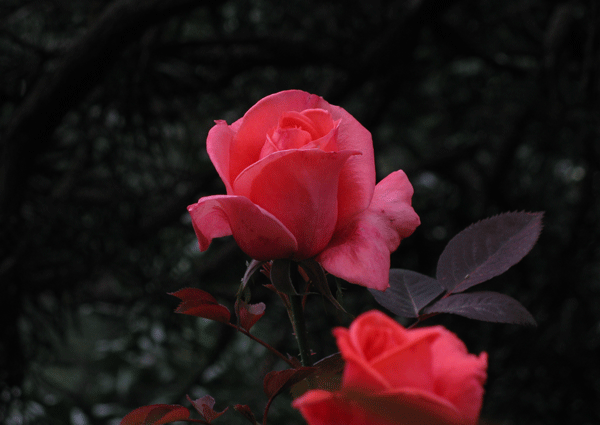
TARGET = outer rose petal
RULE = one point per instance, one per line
(324, 408)
(357, 181)
(257, 232)
(406, 407)
(218, 145)
(459, 375)
(360, 252)
(299, 187)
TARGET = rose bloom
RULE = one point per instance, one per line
(397, 376)
(300, 181)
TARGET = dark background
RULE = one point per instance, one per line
(489, 106)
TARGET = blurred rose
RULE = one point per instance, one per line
(399, 376)
(300, 180)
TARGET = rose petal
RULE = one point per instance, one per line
(357, 181)
(218, 145)
(459, 376)
(405, 406)
(321, 120)
(260, 120)
(358, 372)
(316, 128)
(257, 232)
(364, 337)
(359, 345)
(300, 188)
(360, 252)
(408, 406)
(321, 407)
(377, 348)
(327, 143)
(408, 367)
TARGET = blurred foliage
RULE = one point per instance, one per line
(104, 109)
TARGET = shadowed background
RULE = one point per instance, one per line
(104, 110)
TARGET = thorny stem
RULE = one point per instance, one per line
(263, 343)
(300, 328)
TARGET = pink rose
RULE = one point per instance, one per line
(300, 180)
(399, 376)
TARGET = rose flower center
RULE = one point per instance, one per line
(300, 130)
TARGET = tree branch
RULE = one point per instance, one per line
(79, 71)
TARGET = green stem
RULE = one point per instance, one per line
(300, 329)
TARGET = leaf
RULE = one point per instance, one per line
(156, 414)
(316, 275)
(486, 306)
(196, 302)
(248, 314)
(281, 277)
(408, 293)
(277, 381)
(246, 412)
(487, 249)
(331, 364)
(204, 406)
(253, 267)
(326, 376)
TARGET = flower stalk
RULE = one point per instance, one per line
(299, 325)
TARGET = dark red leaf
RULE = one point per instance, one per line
(486, 306)
(246, 412)
(204, 406)
(156, 414)
(277, 381)
(487, 249)
(248, 314)
(194, 294)
(196, 302)
(331, 364)
(326, 376)
(216, 312)
(408, 293)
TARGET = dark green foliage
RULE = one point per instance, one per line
(488, 106)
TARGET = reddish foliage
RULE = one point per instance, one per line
(249, 314)
(196, 302)
(277, 381)
(246, 412)
(156, 414)
(204, 406)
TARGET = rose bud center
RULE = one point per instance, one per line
(309, 129)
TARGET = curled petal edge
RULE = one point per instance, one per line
(257, 232)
